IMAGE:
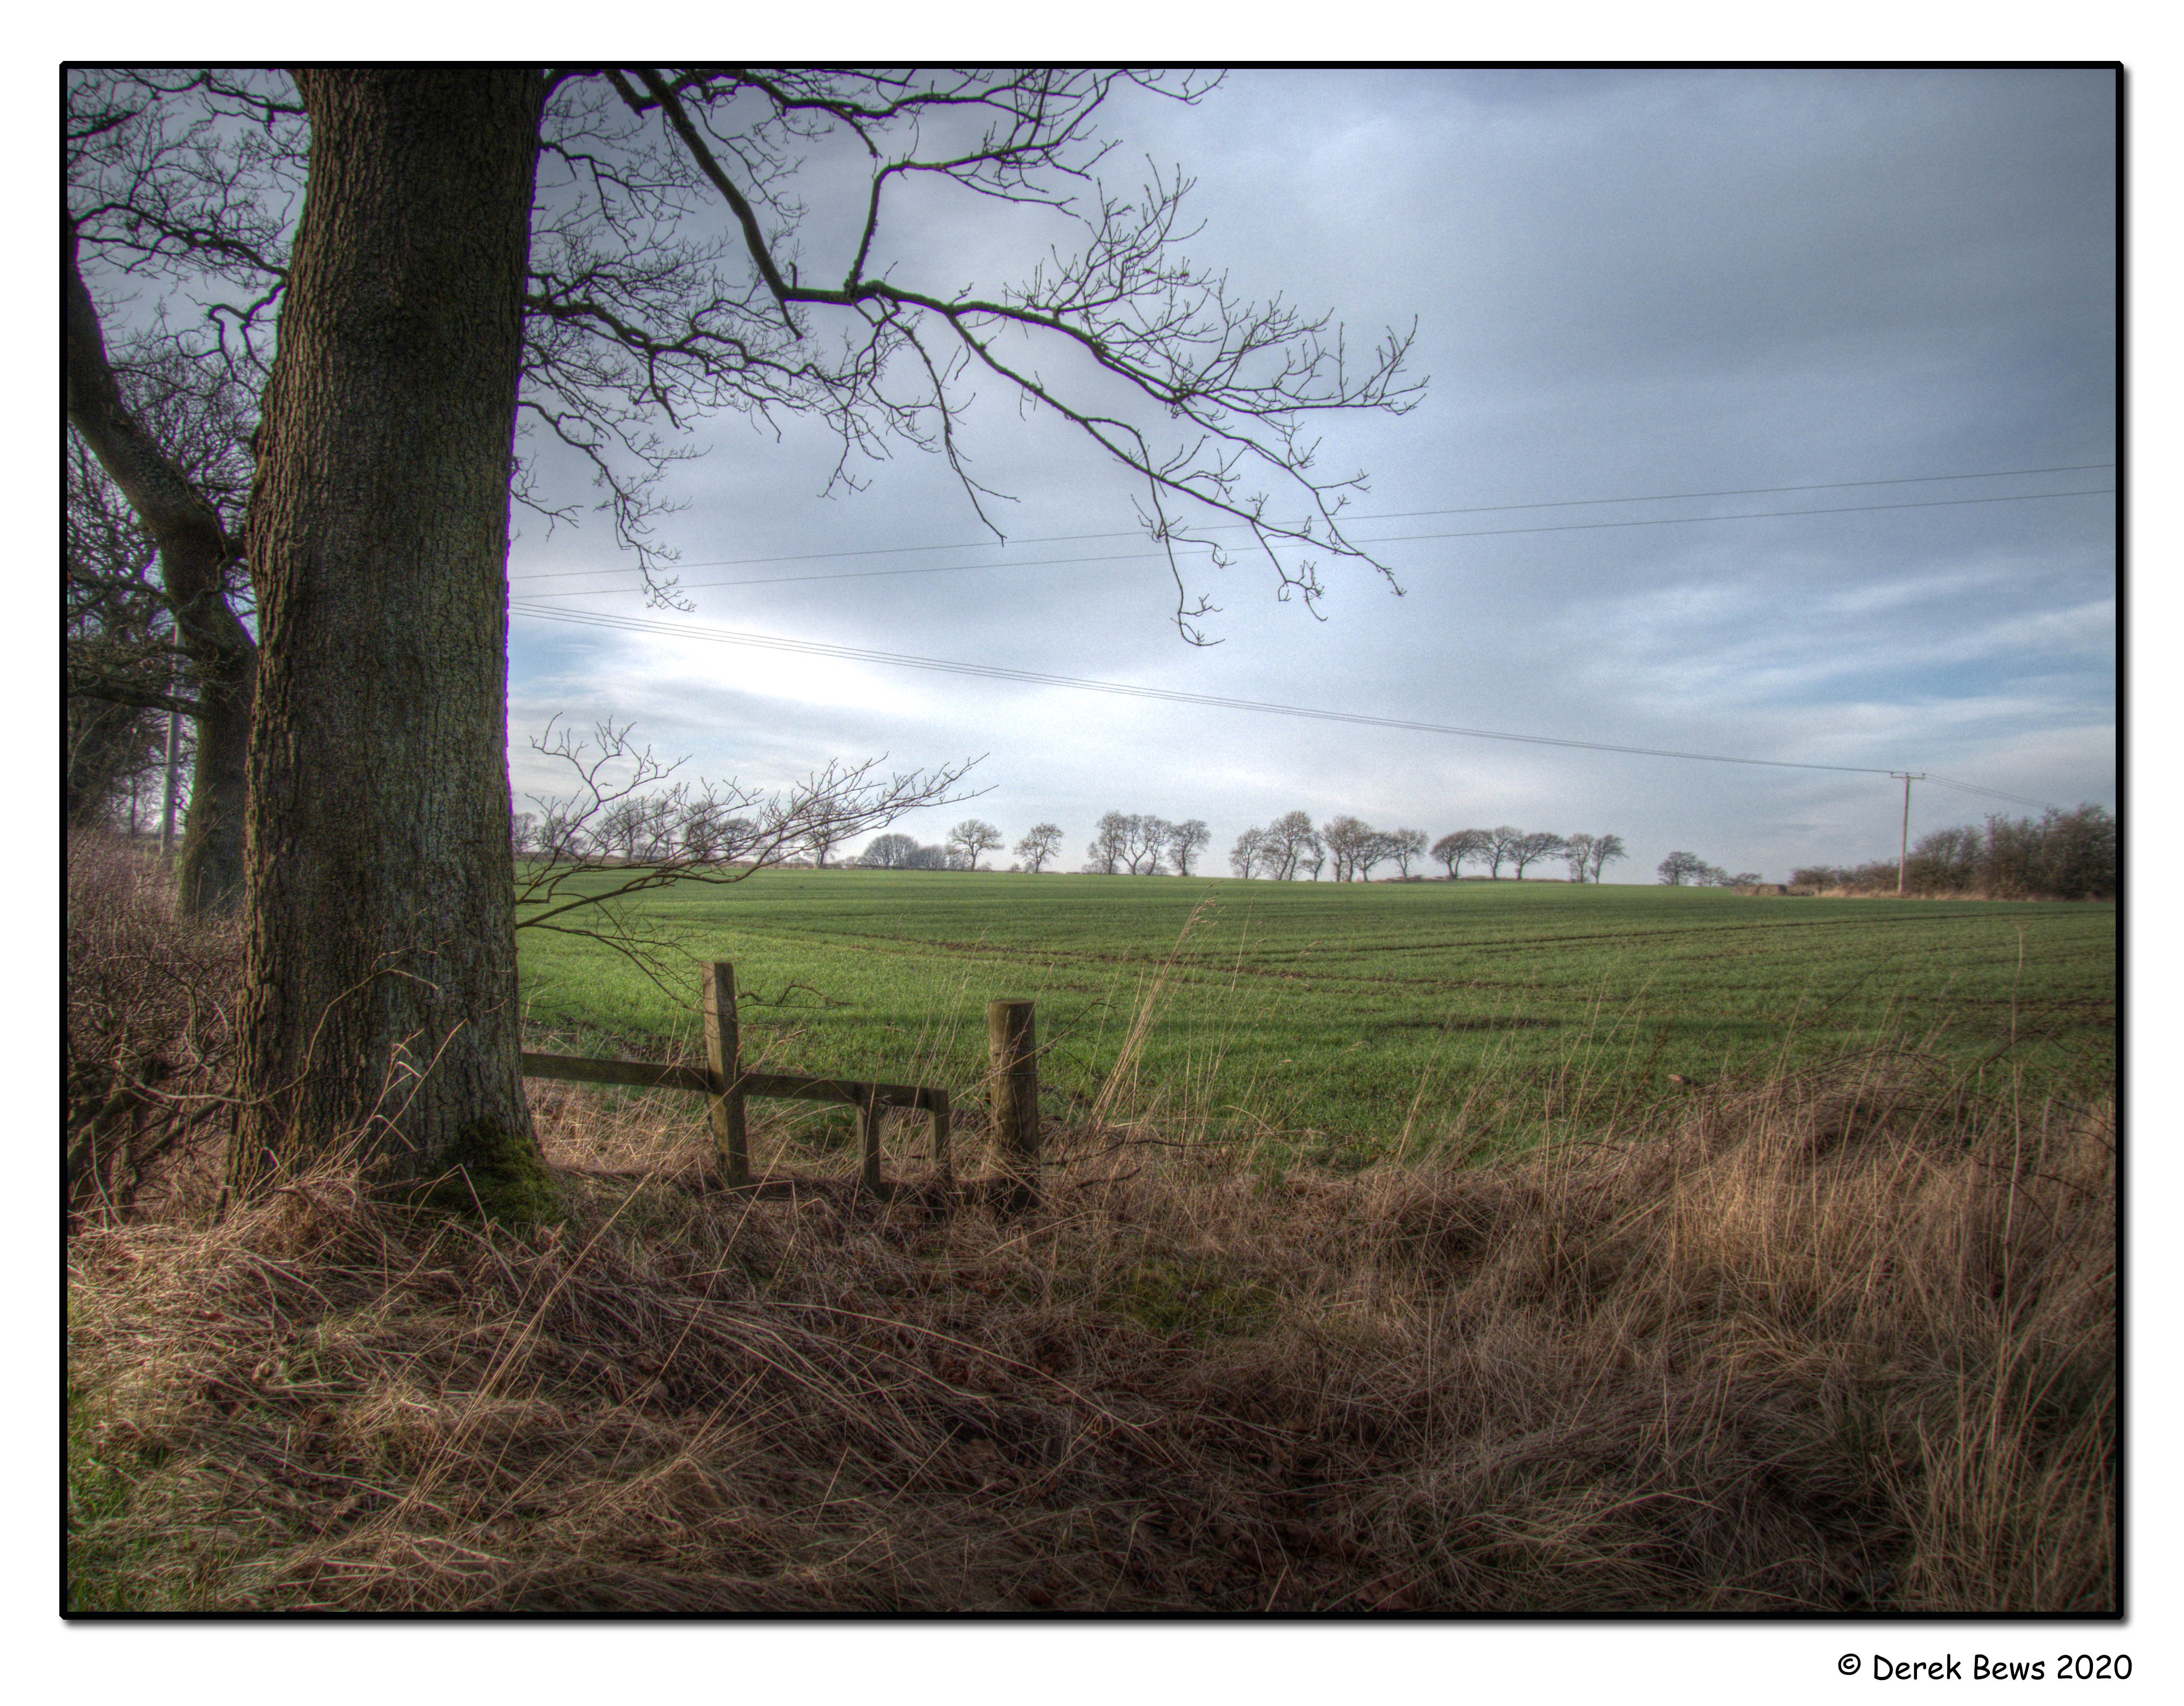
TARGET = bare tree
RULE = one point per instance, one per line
(1146, 840)
(970, 837)
(1249, 851)
(1184, 839)
(1680, 869)
(1041, 842)
(1291, 842)
(1577, 849)
(889, 852)
(1501, 843)
(169, 443)
(1379, 846)
(1345, 838)
(1587, 853)
(616, 835)
(1538, 845)
(1108, 850)
(1460, 844)
(823, 839)
(1405, 845)
(596, 256)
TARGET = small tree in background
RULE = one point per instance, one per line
(1144, 841)
(1041, 842)
(1453, 849)
(1290, 841)
(888, 852)
(1184, 840)
(1529, 848)
(1110, 839)
(1606, 849)
(1405, 845)
(1680, 869)
(970, 837)
(1344, 839)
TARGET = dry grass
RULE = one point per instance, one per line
(1834, 1342)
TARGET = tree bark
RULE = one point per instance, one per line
(379, 1004)
(194, 553)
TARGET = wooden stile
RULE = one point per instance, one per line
(728, 1086)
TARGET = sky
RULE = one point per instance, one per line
(1625, 283)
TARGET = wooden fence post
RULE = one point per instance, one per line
(937, 1103)
(871, 1113)
(1011, 1034)
(724, 1065)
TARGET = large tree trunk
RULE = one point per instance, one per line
(379, 1004)
(193, 557)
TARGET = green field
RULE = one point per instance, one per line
(1344, 1016)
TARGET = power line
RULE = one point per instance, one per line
(1172, 696)
(1395, 515)
(1395, 539)
(1992, 793)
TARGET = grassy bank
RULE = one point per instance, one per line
(1834, 1342)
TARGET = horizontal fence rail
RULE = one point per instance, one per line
(723, 1080)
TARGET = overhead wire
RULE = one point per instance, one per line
(1395, 539)
(1992, 793)
(1134, 690)
(527, 606)
(1394, 516)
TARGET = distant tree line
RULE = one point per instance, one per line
(1681, 868)
(1144, 846)
(1290, 849)
(2063, 856)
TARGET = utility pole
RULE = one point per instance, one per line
(167, 817)
(1903, 852)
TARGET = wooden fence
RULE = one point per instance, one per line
(1014, 1092)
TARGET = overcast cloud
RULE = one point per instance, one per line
(1625, 283)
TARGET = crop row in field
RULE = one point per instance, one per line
(1351, 1014)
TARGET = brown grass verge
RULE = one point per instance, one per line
(1837, 1342)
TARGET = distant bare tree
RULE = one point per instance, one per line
(620, 820)
(1111, 839)
(970, 837)
(1501, 843)
(1345, 838)
(1405, 845)
(1680, 869)
(1378, 847)
(1249, 849)
(1606, 849)
(1146, 840)
(1460, 844)
(1184, 839)
(1529, 848)
(889, 852)
(1041, 842)
(1292, 841)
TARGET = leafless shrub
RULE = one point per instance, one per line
(151, 1028)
